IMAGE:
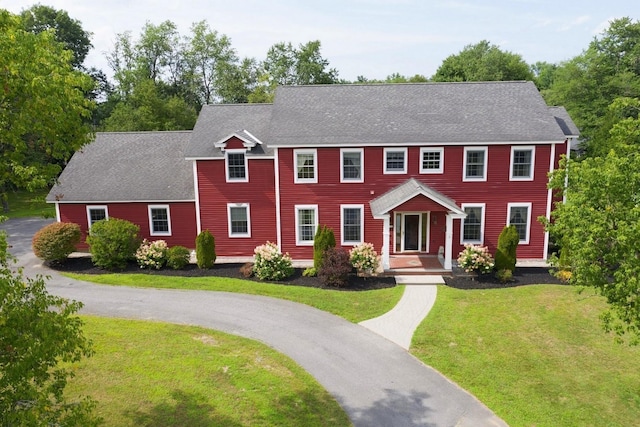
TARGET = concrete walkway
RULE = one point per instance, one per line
(376, 382)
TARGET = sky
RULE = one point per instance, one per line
(370, 38)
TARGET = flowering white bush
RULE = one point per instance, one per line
(364, 257)
(152, 254)
(476, 258)
(270, 263)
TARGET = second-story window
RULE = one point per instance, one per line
(351, 165)
(522, 160)
(475, 164)
(306, 166)
(236, 163)
(395, 160)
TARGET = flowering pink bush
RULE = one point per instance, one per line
(270, 263)
(364, 257)
(476, 258)
(152, 254)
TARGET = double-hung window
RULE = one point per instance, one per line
(159, 220)
(306, 224)
(395, 160)
(351, 165)
(352, 224)
(473, 225)
(519, 215)
(306, 166)
(95, 214)
(236, 165)
(432, 160)
(475, 164)
(239, 219)
(522, 161)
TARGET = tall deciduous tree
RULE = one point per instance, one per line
(483, 62)
(43, 109)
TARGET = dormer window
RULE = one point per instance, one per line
(236, 166)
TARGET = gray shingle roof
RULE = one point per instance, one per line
(406, 113)
(216, 122)
(128, 166)
(405, 192)
(564, 121)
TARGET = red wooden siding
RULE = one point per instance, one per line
(234, 143)
(183, 220)
(259, 193)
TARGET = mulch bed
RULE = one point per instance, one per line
(522, 276)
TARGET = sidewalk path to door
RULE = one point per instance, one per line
(376, 382)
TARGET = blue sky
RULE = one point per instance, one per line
(373, 38)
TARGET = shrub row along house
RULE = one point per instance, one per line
(411, 168)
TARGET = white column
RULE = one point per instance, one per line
(448, 243)
(386, 224)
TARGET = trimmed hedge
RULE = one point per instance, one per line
(55, 242)
(205, 249)
(113, 243)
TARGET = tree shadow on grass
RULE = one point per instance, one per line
(186, 409)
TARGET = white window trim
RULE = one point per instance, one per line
(160, 233)
(351, 243)
(384, 160)
(521, 205)
(226, 165)
(313, 180)
(298, 208)
(464, 164)
(432, 150)
(515, 148)
(238, 205)
(96, 207)
(351, 150)
(482, 206)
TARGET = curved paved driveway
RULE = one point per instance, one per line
(375, 381)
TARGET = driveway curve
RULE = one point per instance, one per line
(376, 381)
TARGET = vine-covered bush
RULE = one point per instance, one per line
(476, 259)
(113, 243)
(323, 240)
(152, 254)
(507, 248)
(55, 242)
(270, 263)
(364, 258)
(336, 268)
(178, 257)
(205, 249)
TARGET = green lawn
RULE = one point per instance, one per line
(354, 306)
(24, 203)
(535, 355)
(158, 374)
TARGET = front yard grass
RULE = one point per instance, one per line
(159, 374)
(535, 355)
(355, 306)
(24, 203)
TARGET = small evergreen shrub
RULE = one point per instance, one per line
(507, 248)
(364, 258)
(113, 243)
(323, 240)
(270, 263)
(55, 242)
(504, 276)
(205, 250)
(475, 259)
(178, 257)
(246, 270)
(152, 254)
(310, 272)
(336, 268)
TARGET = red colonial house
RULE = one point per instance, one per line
(411, 168)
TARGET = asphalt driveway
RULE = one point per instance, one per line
(376, 381)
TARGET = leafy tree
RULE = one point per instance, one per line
(483, 62)
(43, 109)
(599, 224)
(38, 332)
(394, 78)
(39, 18)
(544, 74)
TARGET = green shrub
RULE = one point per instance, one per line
(205, 250)
(336, 268)
(310, 272)
(152, 254)
(504, 276)
(55, 242)
(507, 248)
(270, 263)
(323, 240)
(113, 243)
(178, 257)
